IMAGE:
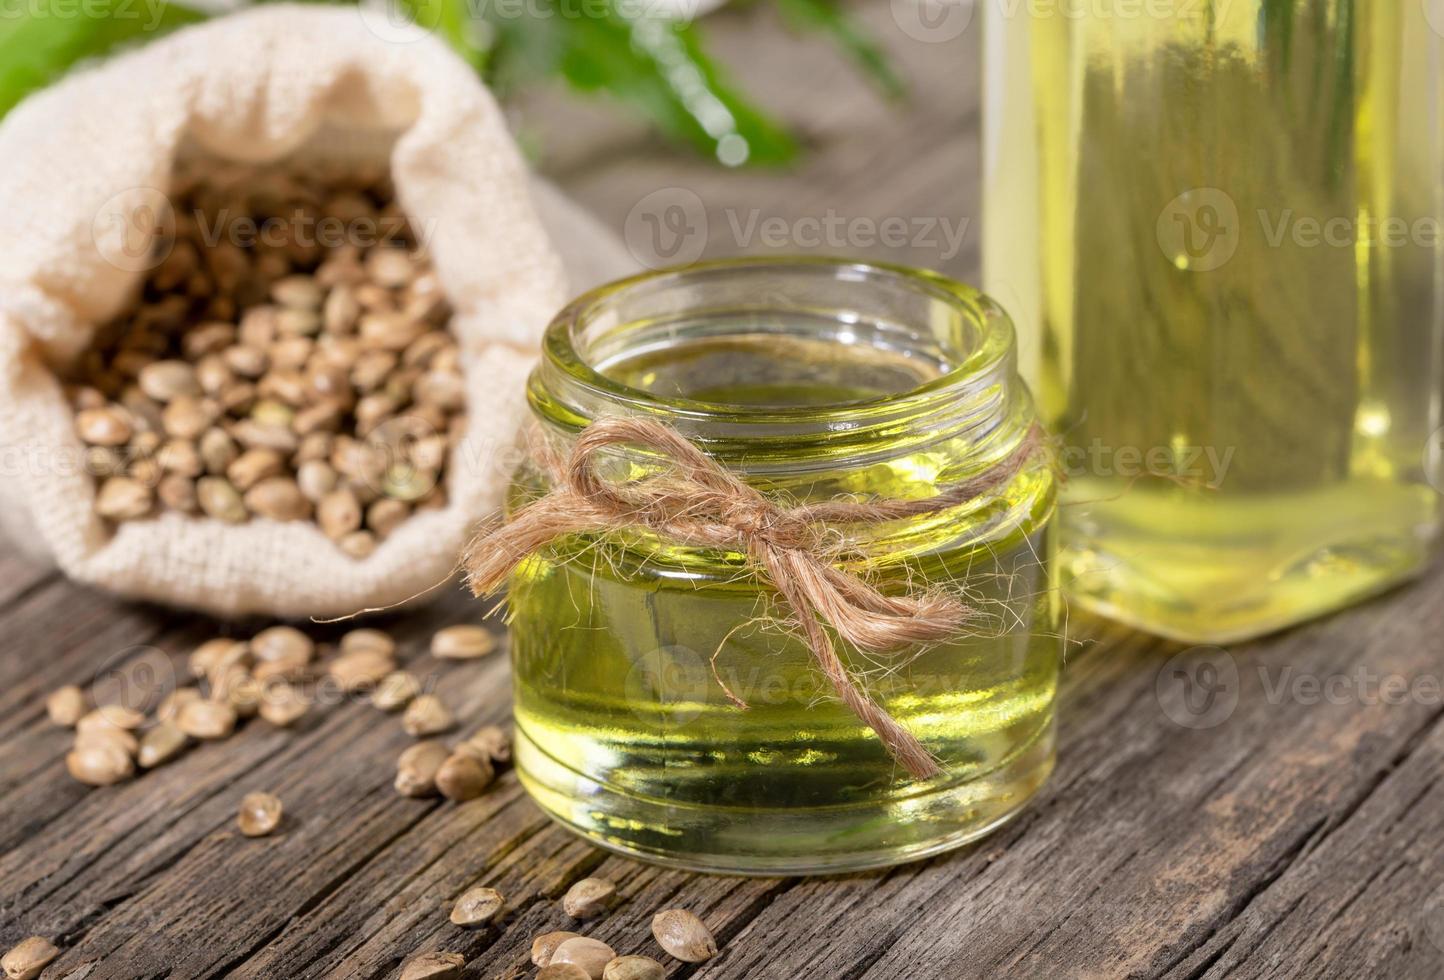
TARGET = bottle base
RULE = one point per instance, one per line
(732, 840)
(1264, 577)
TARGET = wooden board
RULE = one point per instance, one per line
(1297, 837)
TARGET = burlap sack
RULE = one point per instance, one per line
(84, 158)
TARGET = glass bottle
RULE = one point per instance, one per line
(1218, 227)
(812, 380)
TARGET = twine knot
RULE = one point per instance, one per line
(695, 501)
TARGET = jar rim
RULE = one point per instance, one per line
(994, 347)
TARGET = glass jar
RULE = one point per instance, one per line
(1219, 229)
(811, 380)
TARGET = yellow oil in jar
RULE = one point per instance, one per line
(625, 732)
(1217, 227)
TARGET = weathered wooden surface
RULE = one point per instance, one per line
(1300, 835)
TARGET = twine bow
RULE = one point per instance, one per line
(697, 502)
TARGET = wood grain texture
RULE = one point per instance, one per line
(1296, 837)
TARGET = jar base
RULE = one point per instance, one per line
(796, 841)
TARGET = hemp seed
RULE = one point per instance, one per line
(283, 643)
(111, 716)
(543, 947)
(66, 706)
(171, 704)
(426, 715)
(283, 705)
(634, 968)
(433, 966)
(463, 777)
(206, 720)
(491, 742)
(592, 955)
(417, 767)
(160, 745)
(123, 498)
(462, 642)
(395, 690)
(476, 907)
(99, 762)
(259, 814)
(29, 958)
(562, 971)
(589, 898)
(683, 935)
(360, 670)
(368, 639)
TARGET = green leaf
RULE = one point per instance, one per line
(51, 36)
(660, 67)
(828, 17)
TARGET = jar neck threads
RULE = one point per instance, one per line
(790, 366)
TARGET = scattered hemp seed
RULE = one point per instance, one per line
(281, 643)
(110, 716)
(119, 737)
(592, 955)
(160, 745)
(426, 715)
(492, 742)
(66, 706)
(29, 959)
(99, 762)
(433, 966)
(206, 720)
(476, 907)
(589, 898)
(634, 968)
(463, 642)
(206, 657)
(359, 670)
(683, 935)
(545, 945)
(259, 815)
(368, 639)
(171, 704)
(563, 971)
(283, 705)
(463, 777)
(417, 768)
(395, 690)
